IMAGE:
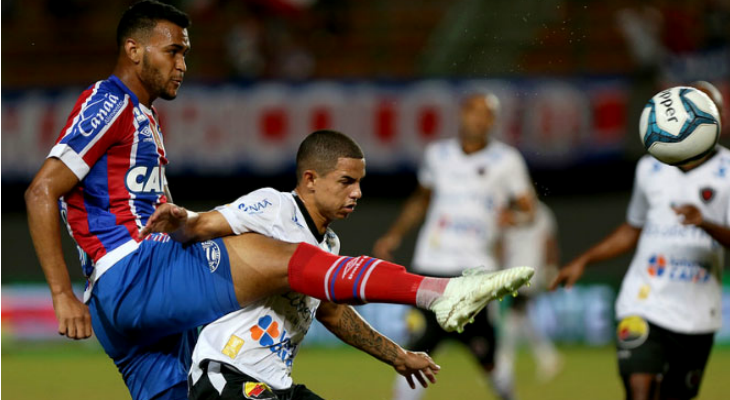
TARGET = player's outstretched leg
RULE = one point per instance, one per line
(258, 269)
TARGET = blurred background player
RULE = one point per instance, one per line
(669, 306)
(249, 353)
(464, 188)
(536, 244)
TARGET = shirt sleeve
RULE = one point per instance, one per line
(726, 220)
(518, 180)
(257, 212)
(426, 171)
(639, 204)
(97, 121)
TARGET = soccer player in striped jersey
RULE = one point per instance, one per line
(669, 306)
(146, 294)
(253, 349)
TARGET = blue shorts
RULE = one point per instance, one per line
(147, 308)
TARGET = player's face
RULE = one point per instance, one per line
(477, 119)
(163, 63)
(337, 192)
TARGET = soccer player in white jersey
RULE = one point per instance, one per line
(534, 244)
(249, 353)
(669, 306)
(465, 187)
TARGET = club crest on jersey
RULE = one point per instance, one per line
(707, 194)
(142, 179)
(212, 253)
(632, 332)
(257, 391)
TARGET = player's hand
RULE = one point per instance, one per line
(418, 365)
(689, 214)
(385, 246)
(506, 218)
(569, 274)
(74, 319)
(166, 218)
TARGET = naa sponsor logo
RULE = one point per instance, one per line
(212, 254)
(678, 269)
(255, 208)
(142, 179)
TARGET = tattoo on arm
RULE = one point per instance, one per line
(355, 331)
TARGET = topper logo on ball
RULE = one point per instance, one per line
(667, 102)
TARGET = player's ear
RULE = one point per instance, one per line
(133, 50)
(308, 179)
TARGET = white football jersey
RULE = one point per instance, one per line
(674, 278)
(527, 245)
(468, 191)
(262, 339)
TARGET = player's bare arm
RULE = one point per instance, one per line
(621, 240)
(522, 211)
(53, 181)
(691, 215)
(348, 325)
(186, 226)
(413, 212)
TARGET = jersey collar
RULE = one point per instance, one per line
(308, 218)
(125, 89)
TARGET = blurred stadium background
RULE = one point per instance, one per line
(572, 77)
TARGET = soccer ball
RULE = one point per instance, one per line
(679, 125)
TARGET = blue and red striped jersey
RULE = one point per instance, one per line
(114, 146)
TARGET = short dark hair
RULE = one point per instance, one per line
(320, 151)
(142, 17)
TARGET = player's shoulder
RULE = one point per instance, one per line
(441, 145)
(724, 153)
(648, 164)
(264, 203)
(99, 106)
(501, 150)
(268, 196)
(440, 150)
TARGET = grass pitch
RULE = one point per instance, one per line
(72, 370)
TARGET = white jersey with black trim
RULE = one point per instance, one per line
(262, 339)
(674, 278)
(468, 192)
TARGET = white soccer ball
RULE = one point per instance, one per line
(679, 125)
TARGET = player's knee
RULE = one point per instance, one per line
(642, 386)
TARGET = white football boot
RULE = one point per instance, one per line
(468, 294)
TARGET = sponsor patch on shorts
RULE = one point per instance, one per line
(632, 332)
(257, 391)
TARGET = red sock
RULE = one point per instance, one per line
(352, 280)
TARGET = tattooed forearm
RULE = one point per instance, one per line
(355, 331)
